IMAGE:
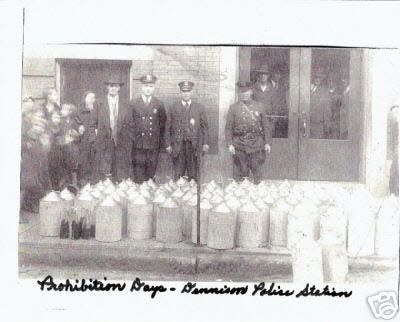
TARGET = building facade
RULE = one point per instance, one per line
(349, 144)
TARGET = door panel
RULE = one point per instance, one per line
(81, 75)
(330, 114)
(284, 73)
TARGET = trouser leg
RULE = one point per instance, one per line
(139, 165)
(240, 165)
(113, 161)
(151, 163)
(55, 167)
(179, 164)
(256, 160)
(191, 161)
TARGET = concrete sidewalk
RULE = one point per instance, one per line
(151, 257)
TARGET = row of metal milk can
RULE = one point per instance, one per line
(243, 215)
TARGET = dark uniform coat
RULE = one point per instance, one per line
(186, 123)
(247, 127)
(145, 126)
(113, 155)
(186, 133)
(248, 130)
(147, 123)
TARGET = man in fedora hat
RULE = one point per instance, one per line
(248, 134)
(112, 150)
(186, 133)
(263, 89)
(146, 126)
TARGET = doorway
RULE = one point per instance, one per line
(80, 75)
(316, 113)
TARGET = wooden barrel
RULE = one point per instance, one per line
(140, 219)
(51, 211)
(221, 228)
(278, 223)
(169, 222)
(108, 221)
(307, 263)
(205, 207)
(250, 226)
(335, 262)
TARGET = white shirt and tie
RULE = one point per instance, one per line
(186, 103)
(113, 103)
(146, 99)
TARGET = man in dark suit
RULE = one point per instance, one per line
(186, 133)
(247, 134)
(112, 149)
(146, 126)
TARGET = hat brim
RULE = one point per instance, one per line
(119, 83)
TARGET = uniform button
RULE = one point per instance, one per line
(151, 123)
(150, 134)
(151, 117)
(142, 134)
(150, 128)
(143, 117)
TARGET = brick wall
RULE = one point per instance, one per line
(38, 74)
(171, 64)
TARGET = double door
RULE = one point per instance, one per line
(316, 110)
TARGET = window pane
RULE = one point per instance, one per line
(272, 90)
(329, 94)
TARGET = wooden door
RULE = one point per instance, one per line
(330, 114)
(81, 75)
(284, 76)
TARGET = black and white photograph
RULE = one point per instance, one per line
(220, 163)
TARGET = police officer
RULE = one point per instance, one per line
(247, 134)
(146, 125)
(186, 133)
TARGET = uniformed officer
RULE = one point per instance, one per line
(247, 133)
(186, 133)
(146, 125)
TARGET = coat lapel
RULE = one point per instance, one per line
(106, 111)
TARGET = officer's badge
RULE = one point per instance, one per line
(154, 110)
(192, 121)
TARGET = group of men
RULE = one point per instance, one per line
(110, 137)
(130, 137)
